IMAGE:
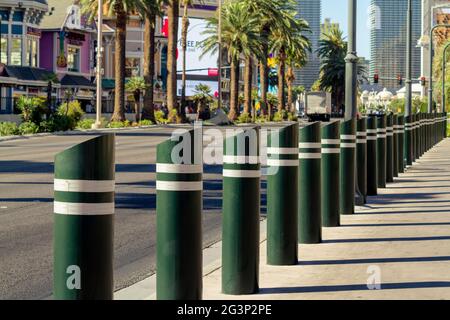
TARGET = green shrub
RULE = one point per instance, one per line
(85, 124)
(119, 124)
(57, 123)
(292, 116)
(145, 123)
(28, 128)
(72, 110)
(8, 129)
(159, 117)
(280, 116)
(262, 119)
(244, 118)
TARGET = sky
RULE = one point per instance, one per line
(337, 11)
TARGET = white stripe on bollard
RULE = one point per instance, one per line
(68, 185)
(231, 173)
(179, 185)
(83, 209)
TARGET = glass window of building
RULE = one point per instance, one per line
(32, 54)
(16, 52)
(4, 51)
(73, 59)
(132, 67)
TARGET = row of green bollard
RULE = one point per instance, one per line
(312, 178)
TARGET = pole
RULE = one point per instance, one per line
(348, 167)
(241, 212)
(408, 95)
(444, 65)
(219, 37)
(179, 217)
(351, 65)
(282, 193)
(84, 221)
(309, 187)
(430, 89)
(98, 121)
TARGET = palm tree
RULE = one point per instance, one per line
(296, 58)
(173, 8)
(288, 43)
(332, 51)
(239, 36)
(202, 98)
(150, 10)
(120, 9)
(272, 14)
(136, 85)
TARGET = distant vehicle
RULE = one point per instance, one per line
(318, 106)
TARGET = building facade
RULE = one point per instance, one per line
(388, 40)
(19, 51)
(433, 12)
(67, 49)
(311, 11)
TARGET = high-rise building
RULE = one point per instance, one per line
(311, 11)
(327, 25)
(388, 40)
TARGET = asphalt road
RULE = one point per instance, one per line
(26, 209)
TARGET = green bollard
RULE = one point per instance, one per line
(427, 132)
(84, 221)
(400, 144)
(414, 138)
(372, 168)
(361, 156)
(390, 148)
(422, 134)
(408, 141)
(347, 167)
(395, 142)
(330, 174)
(309, 211)
(282, 193)
(241, 213)
(381, 151)
(179, 188)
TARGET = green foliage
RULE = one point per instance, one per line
(262, 119)
(8, 129)
(32, 108)
(292, 116)
(72, 110)
(159, 117)
(119, 124)
(57, 123)
(85, 124)
(145, 123)
(135, 84)
(28, 127)
(418, 105)
(280, 116)
(244, 118)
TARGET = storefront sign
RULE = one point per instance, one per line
(76, 39)
(33, 32)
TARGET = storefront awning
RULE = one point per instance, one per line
(74, 81)
(27, 75)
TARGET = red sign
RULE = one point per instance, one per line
(213, 72)
(165, 28)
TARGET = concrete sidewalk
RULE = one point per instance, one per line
(401, 239)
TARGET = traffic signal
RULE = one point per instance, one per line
(399, 80)
(376, 78)
(423, 81)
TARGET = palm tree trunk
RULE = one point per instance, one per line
(148, 112)
(119, 92)
(172, 13)
(281, 82)
(137, 105)
(264, 73)
(290, 84)
(248, 77)
(234, 89)
(184, 32)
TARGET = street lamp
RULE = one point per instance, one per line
(351, 65)
(430, 89)
(408, 93)
(444, 65)
(98, 122)
(219, 39)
